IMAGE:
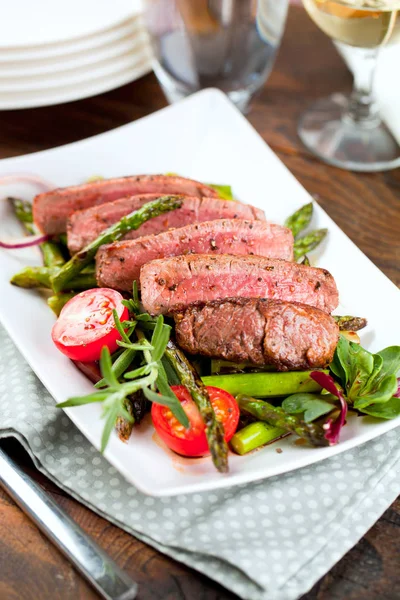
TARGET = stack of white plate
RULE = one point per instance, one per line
(57, 51)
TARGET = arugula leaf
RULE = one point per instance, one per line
(382, 392)
(391, 360)
(360, 369)
(375, 376)
(368, 379)
(389, 410)
(340, 365)
(312, 405)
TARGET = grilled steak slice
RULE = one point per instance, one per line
(85, 225)
(51, 209)
(118, 264)
(173, 283)
(287, 335)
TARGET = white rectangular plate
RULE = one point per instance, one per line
(206, 138)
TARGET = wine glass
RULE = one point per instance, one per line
(348, 132)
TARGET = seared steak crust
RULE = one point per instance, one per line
(287, 335)
(174, 283)
(118, 264)
(84, 226)
(51, 209)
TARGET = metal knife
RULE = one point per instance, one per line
(92, 562)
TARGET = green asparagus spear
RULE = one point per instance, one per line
(309, 242)
(276, 416)
(40, 277)
(265, 385)
(214, 429)
(140, 405)
(136, 406)
(224, 191)
(300, 219)
(128, 223)
(58, 301)
(63, 239)
(255, 435)
(348, 323)
(23, 211)
(122, 425)
(52, 255)
(224, 367)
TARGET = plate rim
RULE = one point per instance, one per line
(57, 64)
(84, 44)
(124, 15)
(80, 75)
(97, 86)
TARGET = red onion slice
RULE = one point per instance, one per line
(25, 242)
(27, 178)
(44, 185)
(332, 427)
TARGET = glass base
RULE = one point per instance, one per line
(356, 146)
(175, 91)
(240, 98)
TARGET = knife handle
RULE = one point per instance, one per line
(92, 562)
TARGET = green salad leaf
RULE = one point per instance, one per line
(389, 410)
(369, 380)
(312, 405)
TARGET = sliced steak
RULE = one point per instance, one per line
(288, 335)
(52, 209)
(85, 225)
(171, 283)
(118, 264)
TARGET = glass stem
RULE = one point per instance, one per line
(362, 108)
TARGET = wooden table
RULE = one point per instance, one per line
(366, 207)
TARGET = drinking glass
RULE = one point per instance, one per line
(227, 44)
(348, 132)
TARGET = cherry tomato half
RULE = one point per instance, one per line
(86, 324)
(193, 441)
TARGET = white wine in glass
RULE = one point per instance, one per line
(348, 132)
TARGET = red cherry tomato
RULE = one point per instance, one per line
(193, 441)
(86, 324)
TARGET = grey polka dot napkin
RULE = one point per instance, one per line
(270, 540)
